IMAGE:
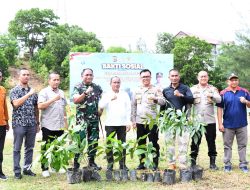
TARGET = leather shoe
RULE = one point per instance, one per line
(2, 176)
(213, 167)
(28, 172)
(141, 167)
(18, 176)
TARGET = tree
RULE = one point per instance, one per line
(31, 26)
(4, 65)
(217, 78)
(65, 64)
(10, 48)
(191, 55)
(235, 59)
(59, 42)
(78, 36)
(116, 49)
(165, 43)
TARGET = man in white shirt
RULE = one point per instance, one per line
(118, 108)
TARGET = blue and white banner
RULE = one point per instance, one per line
(125, 65)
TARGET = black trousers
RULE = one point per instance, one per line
(49, 136)
(153, 136)
(210, 137)
(2, 140)
(120, 131)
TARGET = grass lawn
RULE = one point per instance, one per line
(211, 180)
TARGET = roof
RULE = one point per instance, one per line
(208, 40)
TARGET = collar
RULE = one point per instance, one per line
(230, 89)
(207, 86)
(148, 87)
(175, 87)
(54, 90)
(84, 84)
(22, 88)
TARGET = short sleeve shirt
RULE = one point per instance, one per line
(24, 115)
(52, 117)
(234, 112)
(87, 110)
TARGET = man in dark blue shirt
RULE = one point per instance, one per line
(233, 109)
(178, 96)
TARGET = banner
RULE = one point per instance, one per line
(127, 66)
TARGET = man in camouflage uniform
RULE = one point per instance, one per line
(144, 102)
(205, 95)
(86, 96)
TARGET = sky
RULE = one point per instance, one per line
(123, 22)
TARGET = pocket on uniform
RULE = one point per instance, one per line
(138, 99)
(197, 100)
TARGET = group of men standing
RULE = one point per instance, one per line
(145, 100)
(26, 122)
(122, 114)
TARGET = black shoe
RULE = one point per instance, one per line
(28, 172)
(3, 177)
(212, 163)
(141, 167)
(95, 166)
(18, 176)
(213, 167)
(124, 167)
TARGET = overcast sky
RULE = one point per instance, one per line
(123, 22)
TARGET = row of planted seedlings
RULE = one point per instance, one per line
(174, 122)
(60, 152)
(178, 122)
(171, 121)
(132, 149)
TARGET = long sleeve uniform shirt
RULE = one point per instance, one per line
(143, 105)
(204, 105)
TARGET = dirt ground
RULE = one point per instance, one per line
(35, 81)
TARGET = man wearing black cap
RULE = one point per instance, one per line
(233, 109)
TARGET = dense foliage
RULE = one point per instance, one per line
(31, 26)
(191, 55)
(59, 42)
(235, 59)
(165, 43)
